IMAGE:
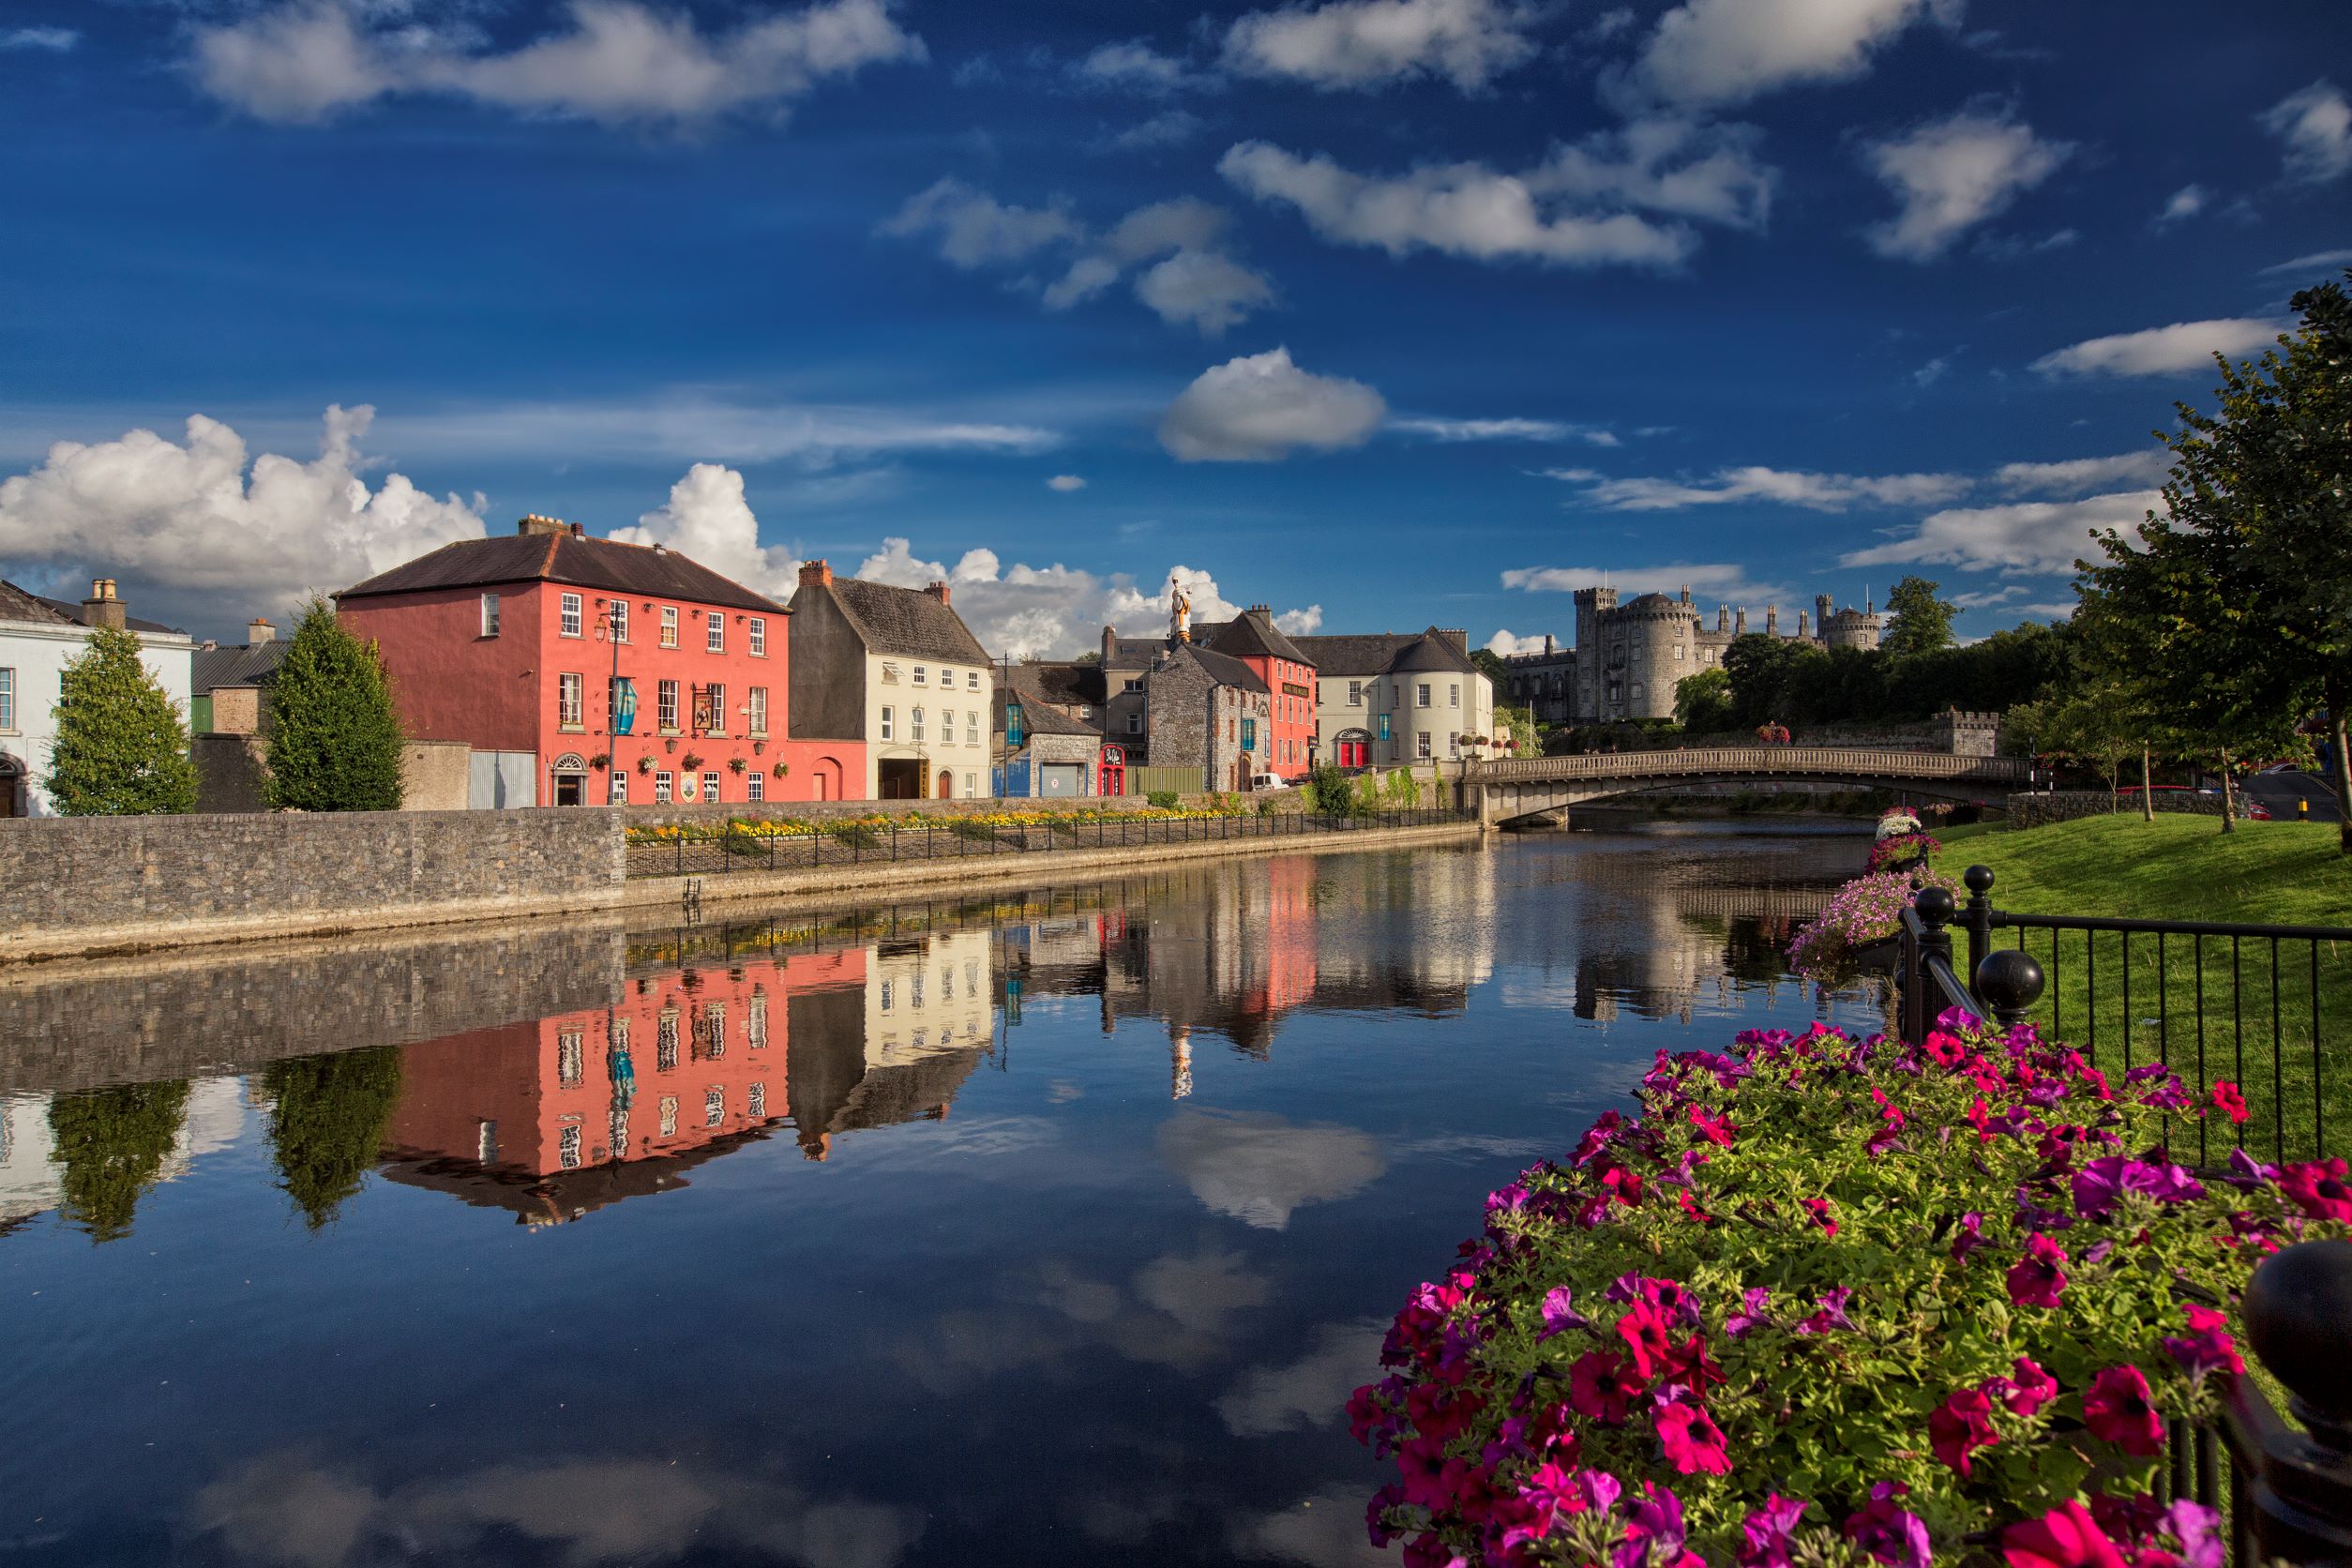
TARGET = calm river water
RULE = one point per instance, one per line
(1035, 1229)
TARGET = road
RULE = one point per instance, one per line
(2281, 790)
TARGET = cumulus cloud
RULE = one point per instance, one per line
(1260, 408)
(2185, 202)
(1509, 643)
(708, 518)
(1583, 207)
(1724, 52)
(2078, 476)
(1136, 66)
(1819, 492)
(1065, 483)
(1710, 580)
(2028, 536)
(1260, 1168)
(1310, 1391)
(618, 61)
(2162, 351)
(1372, 43)
(183, 524)
(1192, 279)
(1505, 430)
(54, 40)
(1952, 175)
(1325, 1530)
(1299, 623)
(2316, 125)
(1170, 127)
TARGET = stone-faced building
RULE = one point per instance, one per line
(896, 669)
(1543, 683)
(38, 638)
(1043, 748)
(1288, 675)
(1389, 699)
(1207, 714)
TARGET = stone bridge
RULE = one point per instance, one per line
(1516, 787)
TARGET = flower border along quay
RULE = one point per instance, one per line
(1831, 1300)
(641, 836)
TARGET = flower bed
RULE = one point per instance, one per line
(876, 822)
(1867, 910)
(1829, 1301)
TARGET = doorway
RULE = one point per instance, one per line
(572, 788)
(947, 785)
(898, 778)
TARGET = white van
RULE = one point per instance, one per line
(1268, 781)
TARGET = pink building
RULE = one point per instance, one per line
(586, 671)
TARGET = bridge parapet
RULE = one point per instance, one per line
(1826, 762)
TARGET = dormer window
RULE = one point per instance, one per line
(890, 674)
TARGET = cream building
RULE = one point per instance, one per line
(38, 638)
(936, 993)
(1386, 700)
(897, 669)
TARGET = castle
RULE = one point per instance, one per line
(1629, 658)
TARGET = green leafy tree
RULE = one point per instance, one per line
(122, 745)
(2098, 729)
(1764, 670)
(1702, 703)
(335, 741)
(1516, 724)
(1491, 666)
(1332, 792)
(326, 1124)
(1921, 622)
(112, 1143)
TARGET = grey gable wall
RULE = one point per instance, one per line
(828, 685)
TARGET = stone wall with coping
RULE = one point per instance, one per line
(840, 810)
(2067, 806)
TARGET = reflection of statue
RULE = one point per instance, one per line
(1179, 611)
(1179, 1060)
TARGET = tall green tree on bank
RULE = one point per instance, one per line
(112, 1143)
(335, 742)
(2234, 608)
(1921, 623)
(1702, 701)
(326, 1124)
(122, 745)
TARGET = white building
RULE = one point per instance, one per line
(1386, 700)
(897, 669)
(38, 638)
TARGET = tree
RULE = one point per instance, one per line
(1332, 792)
(112, 1143)
(335, 741)
(1922, 622)
(1702, 703)
(2097, 728)
(1490, 665)
(1761, 668)
(1516, 724)
(326, 1124)
(122, 745)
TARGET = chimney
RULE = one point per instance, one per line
(1723, 617)
(577, 532)
(815, 574)
(938, 591)
(1801, 625)
(1547, 644)
(1266, 610)
(1111, 643)
(1457, 636)
(1686, 593)
(102, 608)
(1772, 621)
(532, 523)
(259, 630)
(1739, 626)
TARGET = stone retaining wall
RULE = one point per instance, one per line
(2066, 806)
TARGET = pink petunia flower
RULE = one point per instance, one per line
(1691, 1442)
(2036, 1280)
(1764, 1533)
(1819, 1209)
(2027, 1389)
(2117, 1409)
(1644, 1332)
(2207, 1346)
(1968, 1237)
(2229, 1100)
(1888, 1532)
(2318, 1187)
(1599, 1388)
(2065, 1537)
(1960, 1425)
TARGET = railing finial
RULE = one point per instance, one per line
(2010, 981)
(2299, 1319)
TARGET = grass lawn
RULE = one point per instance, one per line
(2249, 1010)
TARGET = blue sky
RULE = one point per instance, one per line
(1384, 312)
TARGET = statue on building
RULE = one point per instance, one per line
(1179, 611)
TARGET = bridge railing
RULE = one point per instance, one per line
(1809, 761)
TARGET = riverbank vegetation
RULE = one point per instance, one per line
(1822, 1301)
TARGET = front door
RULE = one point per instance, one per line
(572, 788)
(947, 785)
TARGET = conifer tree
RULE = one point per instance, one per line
(112, 1143)
(122, 747)
(335, 740)
(326, 1124)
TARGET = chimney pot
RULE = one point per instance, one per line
(259, 630)
(815, 574)
(102, 608)
(938, 591)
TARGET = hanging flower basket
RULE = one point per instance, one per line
(644, 765)
(601, 760)
(735, 765)
(782, 769)
(690, 761)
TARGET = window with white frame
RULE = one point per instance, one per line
(7, 699)
(567, 614)
(662, 788)
(1421, 695)
(755, 1023)
(918, 674)
(971, 680)
(755, 1101)
(616, 620)
(972, 786)
(567, 700)
(1453, 694)
(755, 786)
(665, 1040)
(620, 796)
(489, 614)
(569, 1056)
(947, 727)
(666, 704)
(1355, 694)
(1454, 744)
(890, 674)
(713, 632)
(669, 1116)
(567, 1147)
(972, 728)
(758, 718)
(889, 721)
(715, 694)
(669, 626)
(756, 630)
(710, 785)
(915, 717)
(1421, 744)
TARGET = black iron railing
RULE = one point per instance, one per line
(739, 846)
(2283, 1486)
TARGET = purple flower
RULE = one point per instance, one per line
(1558, 1316)
(1968, 1237)
(1751, 1314)
(1888, 1532)
(1831, 1314)
(2197, 1529)
(1952, 1021)
(2099, 1184)
(1598, 1488)
(1653, 1530)
(1765, 1532)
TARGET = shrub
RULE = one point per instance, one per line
(121, 748)
(1822, 1299)
(1332, 792)
(858, 834)
(1161, 800)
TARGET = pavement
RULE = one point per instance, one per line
(2281, 790)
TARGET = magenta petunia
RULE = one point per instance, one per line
(2318, 1187)
(2229, 1100)
(1888, 1532)
(2065, 1537)
(1560, 1316)
(1599, 1388)
(2028, 1387)
(2208, 1346)
(1960, 1425)
(1764, 1533)
(2036, 1280)
(1968, 1237)
(1819, 1209)
(1691, 1442)
(2118, 1408)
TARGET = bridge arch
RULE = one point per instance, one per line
(1513, 787)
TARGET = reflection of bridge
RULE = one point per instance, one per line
(1525, 786)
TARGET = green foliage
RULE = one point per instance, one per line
(1517, 724)
(1702, 703)
(112, 1143)
(1332, 792)
(1921, 623)
(122, 745)
(1490, 665)
(335, 744)
(1797, 683)
(2098, 726)
(1161, 800)
(326, 1124)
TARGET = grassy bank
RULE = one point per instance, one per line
(2211, 1008)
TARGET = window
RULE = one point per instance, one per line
(918, 674)
(567, 1058)
(1134, 724)
(756, 1102)
(1134, 686)
(713, 632)
(710, 785)
(1421, 744)
(669, 1116)
(1454, 695)
(7, 699)
(1454, 744)
(914, 723)
(1355, 694)
(1086, 710)
(567, 700)
(972, 786)
(1680, 653)
(665, 706)
(568, 614)
(972, 728)
(486, 1143)
(888, 717)
(489, 614)
(715, 696)
(755, 785)
(568, 1148)
(666, 1041)
(620, 796)
(755, 1024)
(1421, 695)
(971, 680)
(669, 626)
(661, 789)
(888, 994)
(759, 635)
(758, 709)
(890, 674)
(616, 617)
(947, 727)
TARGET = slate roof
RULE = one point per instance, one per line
(255, 664)
(71, 610)
(1379, 653)
(580, 562)
(1254, 634)
(908, 621)
(1135, 652)
(1225, 668)
(1039, 714)
(1431, 651)
(18, 605)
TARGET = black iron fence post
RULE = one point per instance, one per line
(2298, 1323)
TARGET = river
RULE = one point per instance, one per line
(1043, 1227)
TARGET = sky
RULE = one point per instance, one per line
(1385, 313)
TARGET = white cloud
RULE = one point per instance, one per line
(1508, 643)
(1204, 288)
(1137, 67)
(1299, 623)
(1310, 1391)
(56, 41)
(1720, 52)
(1933, 371)
(2076, 476)
(1261, 407)
(708, 518)
(2162, 351)
(2317, 261)
(1505, 430)
(619, 61)
(1325, 1530)
(1065, 483)
(1951, 175)
(1821, 492)
(184, 525)
(1260, 1168)
(1170, 127)
(1713, 579)
(975, 228)
(2028, 536)
(2315, 123)
(2185, 202)
(1372, 43)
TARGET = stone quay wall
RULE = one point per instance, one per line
(2066, 806)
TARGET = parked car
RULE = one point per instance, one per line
(1258, 781)
(2256, 811)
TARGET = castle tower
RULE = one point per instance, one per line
(1740, 628)
(1723, 618)
(1801, 634)
(1772, 621)
(1822, 605)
